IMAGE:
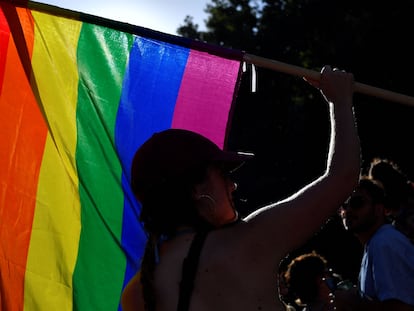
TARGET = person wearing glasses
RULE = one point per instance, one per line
(386, 276)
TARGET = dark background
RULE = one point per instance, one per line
(285, 122)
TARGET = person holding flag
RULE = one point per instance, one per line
(200, 255)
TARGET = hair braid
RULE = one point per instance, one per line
(147, 274)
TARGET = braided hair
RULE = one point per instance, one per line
(164, 172)
(164, 208)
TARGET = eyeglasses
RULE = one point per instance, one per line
(355, 202)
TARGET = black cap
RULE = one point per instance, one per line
(173, 153)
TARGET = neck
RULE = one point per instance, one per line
(365, 236)
(235, 220)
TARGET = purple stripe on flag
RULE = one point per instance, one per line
(206, 95)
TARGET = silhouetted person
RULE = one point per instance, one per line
(199, 255)
(314, 284)
(399, 192)
(386, 277)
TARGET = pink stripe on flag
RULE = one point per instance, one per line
(206, 95)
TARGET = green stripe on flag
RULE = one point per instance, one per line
(102, 60)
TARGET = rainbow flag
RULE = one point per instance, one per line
(78, 95)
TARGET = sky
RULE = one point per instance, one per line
(161, 15)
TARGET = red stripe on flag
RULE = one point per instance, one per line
(4, 42)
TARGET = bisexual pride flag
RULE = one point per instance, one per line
(78, 95)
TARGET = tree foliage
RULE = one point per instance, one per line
(369, 38)
(284, 122)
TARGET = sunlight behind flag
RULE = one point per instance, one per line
(78, 96)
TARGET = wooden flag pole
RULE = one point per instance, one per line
(307, 73)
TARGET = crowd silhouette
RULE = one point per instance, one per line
(379, 215)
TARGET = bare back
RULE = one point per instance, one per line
(238, 264)
(229, 276)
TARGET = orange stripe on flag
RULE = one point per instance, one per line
(23, 137)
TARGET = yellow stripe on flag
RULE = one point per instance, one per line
(56, 227)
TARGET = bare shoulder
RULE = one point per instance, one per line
(132, 295)
(285, 225)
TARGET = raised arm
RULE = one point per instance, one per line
(289, 223)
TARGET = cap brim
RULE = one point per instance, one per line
(234, 160)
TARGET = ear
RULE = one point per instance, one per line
(382, 211)
(200, 189)
(197, 192)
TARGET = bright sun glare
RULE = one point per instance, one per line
(161, 15)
